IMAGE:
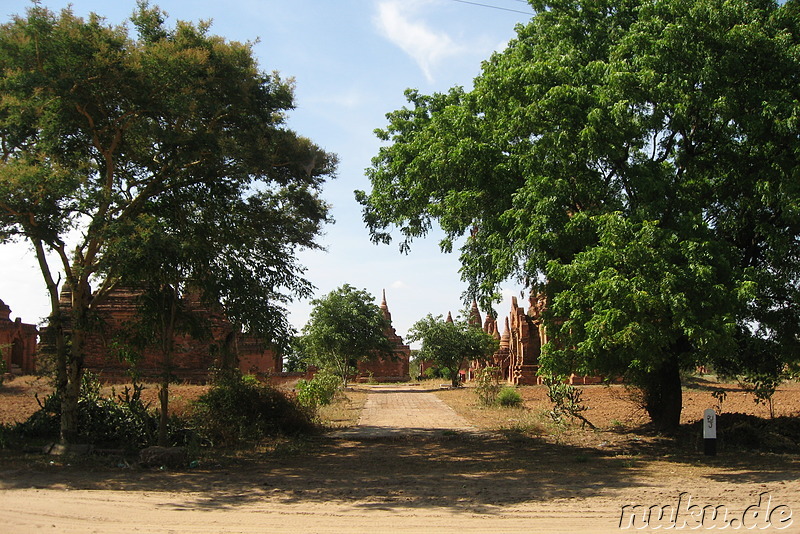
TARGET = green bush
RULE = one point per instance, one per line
(319, 391)
(436, 371)
(124, 422)
(488, 385)
(509, 397)
(567, 401)
(236, 410)
(6, 435)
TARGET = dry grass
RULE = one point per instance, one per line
(617, 416)
(345, 409)
(493, 418)
(181, 396)
(529, 418)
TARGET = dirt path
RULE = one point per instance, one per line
(401, 411)
(456, 484)
(411, 466)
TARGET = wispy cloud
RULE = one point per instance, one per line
(398, 21)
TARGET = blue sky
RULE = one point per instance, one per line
(351, 60)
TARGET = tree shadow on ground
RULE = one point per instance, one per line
(475, 473)
(704, 384)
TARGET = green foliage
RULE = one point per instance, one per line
(345, 327)
(124, 421)
(635, 161)
(237, 410)
(509, 397)
(566, 399)
(438, 371)
(450, 344)
(163, 157)
(320, 390)
(762, 387)
(295, 358)
(487, 385)
(413, 366)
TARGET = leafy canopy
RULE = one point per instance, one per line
(167, 152)
(451, 344)
(345, 327)
(637, 161)
(164, 157)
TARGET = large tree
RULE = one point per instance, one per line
(635, 160)
(345, 327)
(113, 144)
(451, 344)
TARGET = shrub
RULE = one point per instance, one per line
(509, 397)
(6, 434)
(436, 371)
(235, 410)
(488, 385)
(567, 401)
(125, 421)
(319, 391)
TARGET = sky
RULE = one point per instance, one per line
(351, 61)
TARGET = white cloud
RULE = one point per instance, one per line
(398, 284)
(396, 21)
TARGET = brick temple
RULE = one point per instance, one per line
(387, 369)
(192, 358)
(521, 343)
(18, 342)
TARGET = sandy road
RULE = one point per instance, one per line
(412, 465)
(84, 511)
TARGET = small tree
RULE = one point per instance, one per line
(106, 138)
(619, 152)
(566, 399)
(345, 327)
(295, 359)
(450, 344)
(488, 386)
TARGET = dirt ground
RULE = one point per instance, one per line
(522, 475)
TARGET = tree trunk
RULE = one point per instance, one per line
(73, 366)
(56, 330)
(163, 396)
(454, 378)
(68, 367)
(170, 306)
(663, 396)
(70, 394)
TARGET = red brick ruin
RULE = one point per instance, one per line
(192, 358)
(520, 344)
(387, 369)
(17, 343)
(517, 358)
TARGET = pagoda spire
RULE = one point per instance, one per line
(505, 339)
(385, 308)
(475, 315)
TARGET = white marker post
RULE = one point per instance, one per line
(710, 432)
